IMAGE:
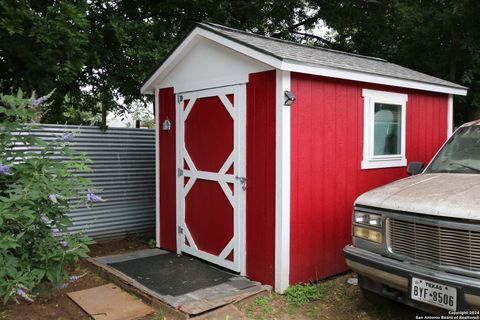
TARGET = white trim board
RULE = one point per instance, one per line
(282, 184)
(450, 116)
(179, 164)
(199, 33)
(157, 168)
(370, 160)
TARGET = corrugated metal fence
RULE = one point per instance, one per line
(123, 172)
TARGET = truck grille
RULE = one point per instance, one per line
(439, 245)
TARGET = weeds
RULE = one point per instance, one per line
(160, 315)
(259, 304)
(301, 294)
(152, 243)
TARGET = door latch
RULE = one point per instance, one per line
(180, 230)
(243, 182)
(180, 172)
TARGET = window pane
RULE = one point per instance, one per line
(461, 153)
(387, 130)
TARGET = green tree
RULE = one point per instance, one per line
(98, 53)
(42, 47)
(438, 37)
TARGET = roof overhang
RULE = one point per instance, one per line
(200, 31)
(338, 73)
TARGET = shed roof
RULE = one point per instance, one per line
(290, 56)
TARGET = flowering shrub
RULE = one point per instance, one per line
(38, 187)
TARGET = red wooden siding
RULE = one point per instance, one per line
(261, 177)
(209, 134)
(167, 192)
(326, 153)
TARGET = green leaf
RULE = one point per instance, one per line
(35, 141)
(38, 273)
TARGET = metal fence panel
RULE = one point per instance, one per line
(123, 172)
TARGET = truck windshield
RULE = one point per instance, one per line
(461, 154)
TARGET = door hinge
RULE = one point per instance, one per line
(179, 98)
(243, 182)
(180, 172)
(180, 230)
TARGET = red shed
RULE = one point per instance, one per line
(263, 145)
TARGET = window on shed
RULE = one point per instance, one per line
(384, 129)
(387, 129)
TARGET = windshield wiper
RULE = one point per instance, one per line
(466, 166)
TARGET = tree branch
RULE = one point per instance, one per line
(296, 25)
(304, 22)
(320, 39)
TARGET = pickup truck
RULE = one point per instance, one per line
(417, 240)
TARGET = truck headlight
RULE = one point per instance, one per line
(368, 234)
(372, 220)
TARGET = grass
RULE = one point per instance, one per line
(260, 307)
(300, 294)
(332, 292)
(160, 315)
(328, 299)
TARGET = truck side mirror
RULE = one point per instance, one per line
(415, 168)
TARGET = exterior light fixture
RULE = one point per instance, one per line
(289, 98)
(166, 125)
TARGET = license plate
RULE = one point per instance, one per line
(434, 293)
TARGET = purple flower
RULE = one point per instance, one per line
(4, 169)
(67, 137)
(93, 197)
(61, 286)
(75, 278)
(39, 101)
(44, 219)
(21, 292)
(53, 197)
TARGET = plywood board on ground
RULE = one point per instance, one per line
(109, 302)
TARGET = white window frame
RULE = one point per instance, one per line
(371, 161)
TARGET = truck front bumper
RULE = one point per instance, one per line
(391, 278)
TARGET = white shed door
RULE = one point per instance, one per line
(211, 175)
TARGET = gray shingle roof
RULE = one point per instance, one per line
(321, 57)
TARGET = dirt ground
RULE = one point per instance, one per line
(337, 299)
(60, 307)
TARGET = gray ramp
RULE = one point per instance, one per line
(170, 274)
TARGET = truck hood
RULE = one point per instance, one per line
(443, 195)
